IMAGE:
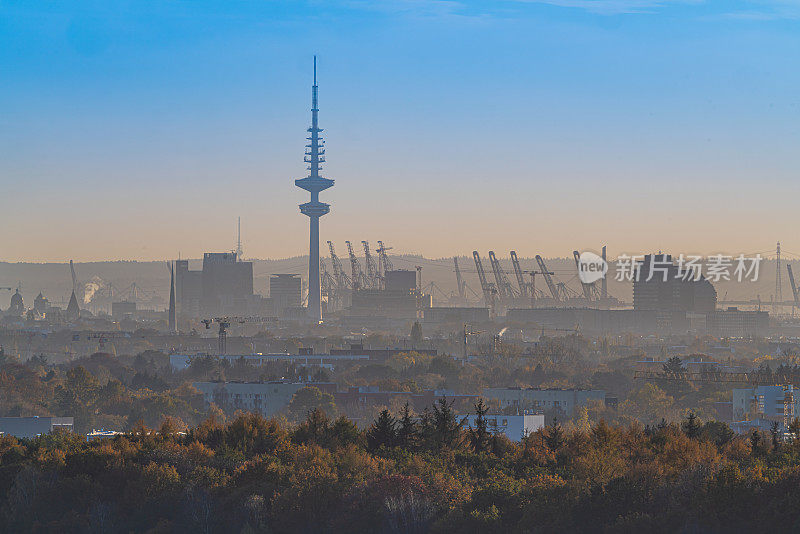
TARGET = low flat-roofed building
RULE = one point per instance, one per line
(767, 402)
(514, 427)
(30, 427)
(266, 398)
(362, 396)
(440, 315)
(565, 400)
(734, 322)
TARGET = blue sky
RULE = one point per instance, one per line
(143, 129)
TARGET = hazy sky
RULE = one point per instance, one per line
(143, 129)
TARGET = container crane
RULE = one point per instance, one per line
(372, 267)
(328, 286)
(356, 274)
(384, 264)
(523, 286)
(506, 290)
(548, 278)
(342, 280)
(462, 289)
(794, 287)
(488, 288)
(589, 290)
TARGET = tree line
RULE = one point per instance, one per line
(426, 472)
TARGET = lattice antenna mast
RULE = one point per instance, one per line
(239, 251)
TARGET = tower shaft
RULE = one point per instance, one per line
(173, 324)
(314, 183)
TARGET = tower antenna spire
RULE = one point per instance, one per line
(239, 251)
(314, 183)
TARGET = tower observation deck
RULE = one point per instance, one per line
(314, 183)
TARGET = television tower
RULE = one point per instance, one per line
(239, 251)
(314, 183)
(778, 284)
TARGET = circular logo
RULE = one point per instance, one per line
(591, 267)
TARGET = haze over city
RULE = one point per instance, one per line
(143, 131)
(399, 266)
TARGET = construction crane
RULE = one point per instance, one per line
(794, 287)
(384, 263)
(468, 331)
(488, 288)
(103, 337)
(462, 289)
(589, 290)
(357, 275)
(372, 267)
(225, 323)
(548, 278)
(523, 286)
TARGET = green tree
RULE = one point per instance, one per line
(382, 433)
(407, 431)
(691, 427)
(445, 430)
(756, 445)
(416, 334)
(554, 437)
(673, 366)
(479, 436)
(775, 432)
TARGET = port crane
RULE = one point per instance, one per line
(523, 286)
(590, 290)
(357, 276)
(342, 280)
(504, 288)
(489, 289)
(462, 286)
(372, 268)
(554, 290)
(794, 286)
(385, 264)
